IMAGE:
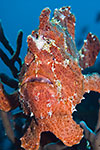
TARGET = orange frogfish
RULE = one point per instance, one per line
(52, 83)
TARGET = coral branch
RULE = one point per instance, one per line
(93, 137)
(4, 40)
(7, 126)
(9, 81)
(98, 121)
(10, 62)
(18, 48)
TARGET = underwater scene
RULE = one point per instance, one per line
(50, 75)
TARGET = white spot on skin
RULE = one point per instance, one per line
(37, 96)
(69, 14)
(39, 42)
(94, 39)
(92, 35)
(48, 105)
(62, 16)
(53, 95)
(74, 24)
(85, 41)
(56, 9)
(41, 116)
(59, 87)
(48, 62)
(53, 69)
(88, 91)
(37, 63)
(46, 47)
(70, 98)
(65, 43)
(50, 113)
(58, 83)
(75, 94)
(56, 62)
(76, 60)
(48, 100)
(82, 69)
(66, 62)
(86, 80)
(84, 76)
(34, 128)
(82, 55)
(86, 64)
(19, 89)
(31, 115)
(73, 108)
(83, 98)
